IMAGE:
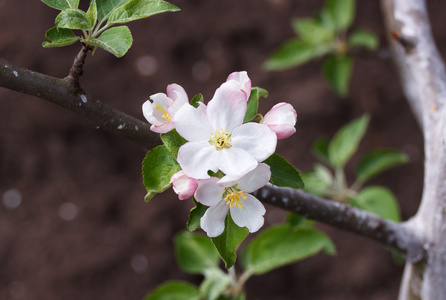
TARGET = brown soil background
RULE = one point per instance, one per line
(119, 247)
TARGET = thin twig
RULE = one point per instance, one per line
(76, 69)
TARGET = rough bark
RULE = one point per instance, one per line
(423, 77)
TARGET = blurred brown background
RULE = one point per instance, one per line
(73, 222)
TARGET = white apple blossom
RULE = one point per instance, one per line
(183, 185)
(218, 139)
(161, 111)
(281, 119)
(230, 194)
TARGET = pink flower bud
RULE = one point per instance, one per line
(183, 185)
(242, 80)
(281, 119)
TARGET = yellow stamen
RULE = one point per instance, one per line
(234, 196)
(164, 111)
(220, 139)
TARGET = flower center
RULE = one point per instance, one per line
(164, 111)
(220, 139)
(234, 196)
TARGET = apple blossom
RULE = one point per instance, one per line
(242, 80)
(281, 119)
(230, 194)
(161, 111)
(183, 185)
(218, 139)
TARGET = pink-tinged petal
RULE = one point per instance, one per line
(152, 115)
(195, 158)
(227, 108)
(251, 216)
(213, 220)
(250, 182)
(208, 192)
(178, 95)
(183, 185)
(192, 123)
(256, 139)
(234, 161)
(282, 131)
(243, 81)
(281, 119)
(163, 128)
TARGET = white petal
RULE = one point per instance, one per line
(196, 159)
(163, 128)
(152, 115)
(192, 123)
(242, 80)
(227, 108)
(179, 97)
(257, 139)
(235, 162)
(251, 216)
(250, 182)
(208, 192)
(213, 221)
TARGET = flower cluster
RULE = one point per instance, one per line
(221, 144)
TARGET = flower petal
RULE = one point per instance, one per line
(227, 108)
(195, 158)
(251, 216)
(235, 162)
(208, 192)
(257, 139)
(213, 220)
(178, 95)
(192, 123)
(250, 182)
(183, 185)
(243, 81)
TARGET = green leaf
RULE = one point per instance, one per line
(139, 9)
(60, 37)
(283, 174)
(337, 70)
(228, 241)
(174, 290)
(173, 141)
(215, 283)
(318, 181)
(294, 53)
(195, 252)
(92, 12)
(116, 40)
(62, 4)
(320, 148)
(378, 161)
(195, 215)
(253, 103)
(297, 221)
(73, 18)
(342, 12)
(106, 7)
(196, 100)
(363, 38)
(157, 168)
(281, 245)
(312, 31)
(379, 201)
(346, 141)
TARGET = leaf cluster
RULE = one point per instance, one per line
(336, 153)
(275, 247)
(96, 24)
(325, 36)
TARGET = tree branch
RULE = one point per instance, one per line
(76, 69)
(62, 93)
(345, 217)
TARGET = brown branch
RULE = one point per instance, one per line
(345, 217)
(61, 92)
(76, 69)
